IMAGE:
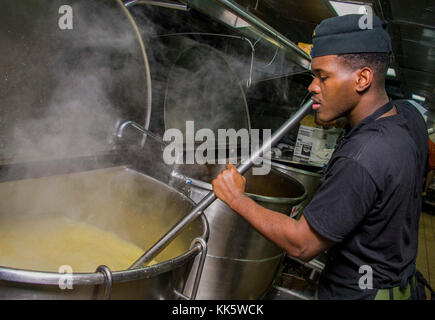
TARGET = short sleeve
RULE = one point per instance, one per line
(343, 200)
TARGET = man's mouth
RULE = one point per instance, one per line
(316, 104)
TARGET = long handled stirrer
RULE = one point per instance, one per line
(211, 197)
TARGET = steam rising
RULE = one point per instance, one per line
(83, 82)
(65, 92)
(203, 88)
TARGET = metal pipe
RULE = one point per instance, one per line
(313, 264)
(253, 20)
(292, 293)
(137, 126)
(109, 280)
(201, 263)
(170, 5)
(146, 64)
(192, 181)
(210, 197)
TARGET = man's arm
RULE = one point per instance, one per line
(296, 237)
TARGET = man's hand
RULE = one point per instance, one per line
(296, 237)
(229, 185)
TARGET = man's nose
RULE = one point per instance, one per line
(314, 87)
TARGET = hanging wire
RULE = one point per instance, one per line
(273, 59)
(252, 45)
(200, 33)
(249, 81)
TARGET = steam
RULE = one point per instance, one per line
(202, 88)
(92, 77)
(66, 91)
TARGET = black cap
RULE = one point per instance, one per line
(352, 33)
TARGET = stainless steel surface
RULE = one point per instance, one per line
(146, 64)
(190, 180)
(202, 245)
(310, 180)
(259, 180)
(204, 249)
(241, 263)
(164, 4)
(178, 227)
(281, 293)
(315, 264)
(307, 166)
(314, 275)
(296, 278)
(180, 295)
(236, 279)
(275, 190)
(109, 280)
(134, 206)
(208, 199)
(137, 126)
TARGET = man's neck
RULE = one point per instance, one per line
(366, 106)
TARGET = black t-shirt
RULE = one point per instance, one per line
(369, 203)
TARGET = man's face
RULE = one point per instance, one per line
(333, 88)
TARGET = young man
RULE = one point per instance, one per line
(367, 209)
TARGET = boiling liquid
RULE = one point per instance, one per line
(46, 245)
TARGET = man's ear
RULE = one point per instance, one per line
(364, 79)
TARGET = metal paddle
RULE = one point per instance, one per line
(211, 197)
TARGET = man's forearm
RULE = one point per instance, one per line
(296, 237)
